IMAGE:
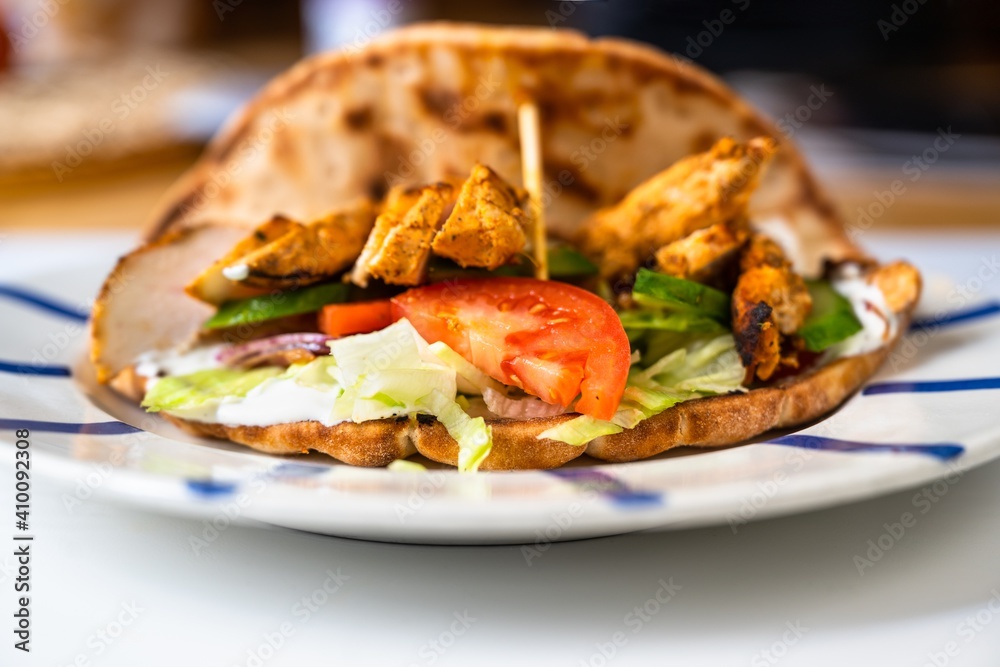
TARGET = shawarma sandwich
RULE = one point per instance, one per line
(502, 249)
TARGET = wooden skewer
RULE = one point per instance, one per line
(531, 174)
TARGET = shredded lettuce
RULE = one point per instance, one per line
(388, 373)
(320, 374)
(195, 390)
(394, 372)
(402, 465)
(580, 431)
(474, 437)
(471, 380)
(702, 367)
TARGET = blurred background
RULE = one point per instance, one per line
(103, 103)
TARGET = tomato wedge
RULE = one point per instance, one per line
(553, 340)
(344, 319)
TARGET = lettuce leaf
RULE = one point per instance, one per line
(703, 367)
(580, 431)
(183, 392)
(394, 372)
(474, 437)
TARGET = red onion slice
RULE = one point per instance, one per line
(274, 349)
(519, 408)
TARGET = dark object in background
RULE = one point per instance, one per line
(904, 64)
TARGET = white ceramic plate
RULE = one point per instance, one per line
(932, 412)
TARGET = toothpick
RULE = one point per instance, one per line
(531, 174)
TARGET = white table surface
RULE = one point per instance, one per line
(738, 593)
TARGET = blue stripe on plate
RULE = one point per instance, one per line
(24, 368)
(101, 428)
(930, 386)
(608, 486)
(939, 450)
(210, 488)
(989, 309)
(41, 302)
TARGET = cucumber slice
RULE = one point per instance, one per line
(832, 318)
(679, 295)
(272, 306)
(681, 322)
(565, 262)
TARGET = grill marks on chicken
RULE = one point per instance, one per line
(398, 248)
(282, 253)
(770, 303)
(704, 255)
(697, 192)
(479, 225)
(486, 226)
(312, 252)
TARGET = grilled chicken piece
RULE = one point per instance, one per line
(899, 282)
(142, 308)
(282, 253)
(770, 301)
(706, 254)
(399, 246)
(697, 192)
(486, 227)
(310, 253)
(212, 286)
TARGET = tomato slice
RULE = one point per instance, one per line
(344, 319)
(553, 340)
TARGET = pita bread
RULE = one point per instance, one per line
(424, 104)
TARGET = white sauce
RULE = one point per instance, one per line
(172, 362)
(276, 402)
(236, 272)
(879, 322)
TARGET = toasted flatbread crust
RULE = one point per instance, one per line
(704, 422)
(424, 104)
(368, 444)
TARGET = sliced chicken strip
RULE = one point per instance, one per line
(770, 301)
(212, 285)
(312, 252)
(399, 246)
(696, 192)
(705, 254)
(486, 226)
